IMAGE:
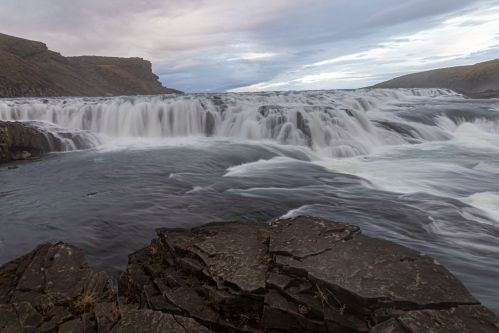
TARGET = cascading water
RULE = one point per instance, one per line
(333, 123)
(416, 166)
(63, 139)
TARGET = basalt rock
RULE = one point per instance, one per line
(19, 142)
(299, 275)
(294, 275)
(52, 289)
(25, 140)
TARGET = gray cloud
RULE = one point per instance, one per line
(213, 45)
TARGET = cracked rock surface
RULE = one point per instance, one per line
(52, 289)
(295, 275)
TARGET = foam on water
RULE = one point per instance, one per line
(260, 166)
(487, 202)
(479, 134)
(483, 166)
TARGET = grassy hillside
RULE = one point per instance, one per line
(28, 68)
(479, 80)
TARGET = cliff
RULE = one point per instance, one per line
(479, 80)
(29, 69)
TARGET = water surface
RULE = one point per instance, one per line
(418, 167)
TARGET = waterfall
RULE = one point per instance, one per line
(334, 123)
(63, 139)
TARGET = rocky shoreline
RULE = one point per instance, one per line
(294, 275)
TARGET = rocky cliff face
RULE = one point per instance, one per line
(479, 80)
(29, 69)
(296, 275)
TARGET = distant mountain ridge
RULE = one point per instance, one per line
(29, 69)
(478, 80)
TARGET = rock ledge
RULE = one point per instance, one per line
(295, 275)
(28, 139)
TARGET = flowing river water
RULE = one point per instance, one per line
(419, 167)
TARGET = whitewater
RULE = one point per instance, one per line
(416, 166)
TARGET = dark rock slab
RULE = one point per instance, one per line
(296, 275)
(215, 275)
(149, 321)
(462, 319)
(232, 253)
(52, 288)
(375, 272)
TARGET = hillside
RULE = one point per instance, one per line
(479, 80)
(28, 69)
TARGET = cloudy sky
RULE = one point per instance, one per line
(253, 45)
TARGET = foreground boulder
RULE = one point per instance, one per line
(295, 275)
(299, 275)
(52, 289)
